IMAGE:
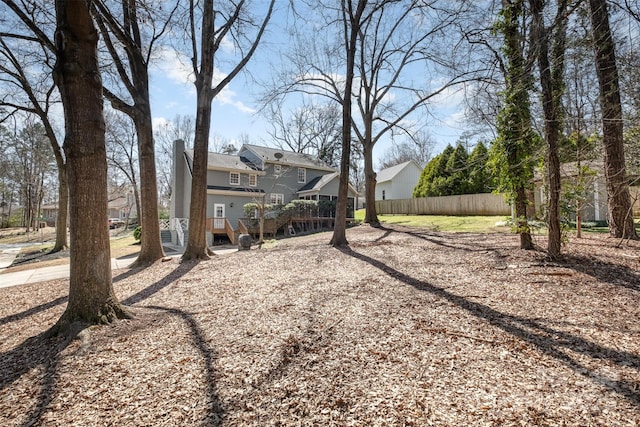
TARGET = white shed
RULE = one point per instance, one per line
(397, 182)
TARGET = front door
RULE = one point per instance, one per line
(218, 216)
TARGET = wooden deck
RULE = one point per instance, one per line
(221, 227)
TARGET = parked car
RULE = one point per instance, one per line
(115, 223)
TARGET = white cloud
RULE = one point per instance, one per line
(174, 65)
(228, 97)
(449, 98)
(177, 69)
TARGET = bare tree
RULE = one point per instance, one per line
(33, 160)
(312, 129)
(395, 43)
(619, 200)
(131, 46)
(551, 68)
(353, 18)
(122, 151)
(179, 128)
(236, 25)
(28, 52)
(91, 296)
(419, 148)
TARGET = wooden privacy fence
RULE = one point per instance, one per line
(467, 204)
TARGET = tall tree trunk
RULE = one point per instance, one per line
(551, 81)
(351, 26)
(197, 243)
(140, 112)
(63, 204)
(619, 199)
(371, 215)
(150, 243)
(91, 296)
(514, 120)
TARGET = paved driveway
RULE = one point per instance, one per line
(8, 253)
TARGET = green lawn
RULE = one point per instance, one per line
(466, 224)
(459, 224)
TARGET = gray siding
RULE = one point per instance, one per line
(287, 183)
(232, 213)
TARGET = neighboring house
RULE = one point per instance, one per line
(50, 213)
(594, 205)
(397, 182)
(254, 175)
(119, 206)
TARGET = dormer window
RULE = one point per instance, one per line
(302, 175)
(234, 178)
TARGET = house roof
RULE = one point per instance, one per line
(268, 154)
(220, 161)
(389, 173)
(318, 183)
(253, 191)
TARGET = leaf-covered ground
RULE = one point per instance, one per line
(407, 327)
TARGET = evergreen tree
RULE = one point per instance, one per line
(435, 168)
(480, 179)
(457, 172)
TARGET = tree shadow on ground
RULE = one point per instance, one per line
(33, 310)
(438, 239)
(551, 342)
(36, 352)
(215, 411)
(182, 269)
(617, 275)
(43, 352)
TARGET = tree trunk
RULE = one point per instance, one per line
(136, 200)
(91, 296)
(351, 25)
(371, 216)
(522, 224)
(63, 209)
(514, 120)
(150, 243)
(197, 244)
(551, 81)
(619, 199)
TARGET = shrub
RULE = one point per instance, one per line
(137, 233)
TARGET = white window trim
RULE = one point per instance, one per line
(253, 180)
(304, 175)
(274, 198)
(231, 174)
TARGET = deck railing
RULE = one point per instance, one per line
(180, 225)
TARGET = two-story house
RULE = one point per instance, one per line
(254, 175)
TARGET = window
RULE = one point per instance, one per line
(234, 178)
(277, 169)
(384, 194)
(302, 175)
(276, 199)
(253, 180)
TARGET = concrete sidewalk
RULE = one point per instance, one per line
(43, 274)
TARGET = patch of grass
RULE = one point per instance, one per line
(455, 224)
(121, 245)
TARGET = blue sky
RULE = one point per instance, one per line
(235, 108)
